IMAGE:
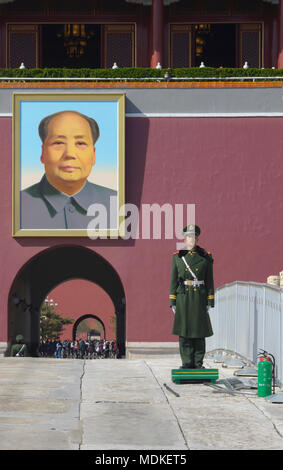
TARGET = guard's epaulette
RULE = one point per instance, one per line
(205, 254)
(209, 256)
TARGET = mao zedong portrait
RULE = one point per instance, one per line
(61, 198)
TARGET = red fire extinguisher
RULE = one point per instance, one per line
(266, 373)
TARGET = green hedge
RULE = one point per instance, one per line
(139, 73)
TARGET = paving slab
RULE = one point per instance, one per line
(106, 381)
(66, 404)
(132, 426)
(40, 404)
(220, 421)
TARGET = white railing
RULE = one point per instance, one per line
(248, 317)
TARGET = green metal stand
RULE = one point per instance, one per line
(185, 376)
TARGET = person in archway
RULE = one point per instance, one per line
(82, 347)
(59, 348)
(191, 296)
(20, 348)
(61, 198)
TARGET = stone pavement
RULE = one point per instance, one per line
(61, 404)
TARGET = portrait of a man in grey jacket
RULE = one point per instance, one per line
(60, 200)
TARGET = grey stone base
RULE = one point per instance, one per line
(141, 350)
(3, 348)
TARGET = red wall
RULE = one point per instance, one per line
(231, 168)
(77, 298)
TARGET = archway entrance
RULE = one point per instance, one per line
(85, 317)
(50, 268)
(85, 304)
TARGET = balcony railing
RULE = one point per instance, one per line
(140, 74)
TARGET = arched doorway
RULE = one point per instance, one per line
(84, 317)
(78, 298)
(50, 268)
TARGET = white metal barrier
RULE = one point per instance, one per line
(247, 317)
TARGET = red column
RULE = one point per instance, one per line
(157, 32)
(280, 35)
(274, 42)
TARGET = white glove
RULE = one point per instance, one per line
(208, 308)
(174, 309)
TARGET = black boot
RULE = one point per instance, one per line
(187, 366)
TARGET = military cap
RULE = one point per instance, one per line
(19, 337)
(191, 229)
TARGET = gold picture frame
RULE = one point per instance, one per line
(108, 110)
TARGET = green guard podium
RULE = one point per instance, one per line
(187, 376)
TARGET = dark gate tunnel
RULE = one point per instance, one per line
(53, 266)
(84, 317)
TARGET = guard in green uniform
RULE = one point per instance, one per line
(19, 349)
(191, 296)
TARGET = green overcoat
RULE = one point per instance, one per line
(16, 348)
(191, 319)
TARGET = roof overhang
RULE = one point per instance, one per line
(149, 2)
(168, 2)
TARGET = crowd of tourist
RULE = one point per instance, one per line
(79, 349)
